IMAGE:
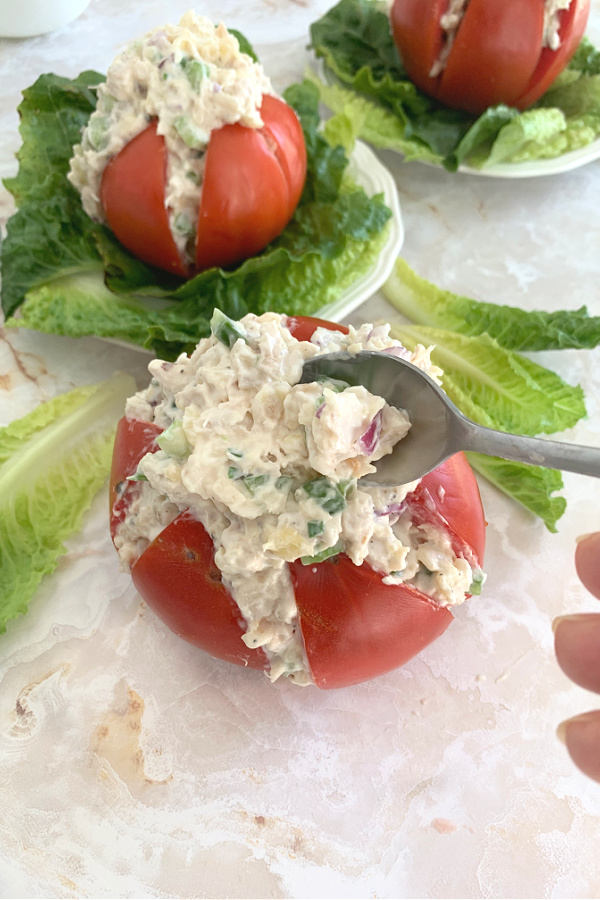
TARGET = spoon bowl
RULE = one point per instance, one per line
(438, 428)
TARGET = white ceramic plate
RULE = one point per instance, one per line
(369, 173)
(564, 163)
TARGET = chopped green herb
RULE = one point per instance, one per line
(329, 495)
(234, 472)
(284, 483)
(237, 453)
(324, 554)
(138, 476)
(315, 527)
(253, 482)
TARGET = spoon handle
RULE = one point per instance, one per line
(532, 450)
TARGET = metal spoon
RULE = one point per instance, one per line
(438, 428)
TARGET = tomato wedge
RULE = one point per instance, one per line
(572, 25)
(253, 180)
(354, 626)
(132, 194)
(496, 55)
(178, 579)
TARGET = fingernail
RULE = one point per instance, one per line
(561, 731)
(584, 537)
(575, 617)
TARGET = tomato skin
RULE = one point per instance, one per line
(354, 627)
(497, 54)
(573, 22)
(132, 441)
(178, 579)
(253, 180)
(132, 194)
(441, 495)
(303, 327)
(418, 37)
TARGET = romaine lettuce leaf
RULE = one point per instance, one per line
(354, 41)
(533, 487)
(79, 305)
(515, 329)
(52, 463)
(68, 275)
(497, 387)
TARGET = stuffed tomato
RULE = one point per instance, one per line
(472, 54)
(190, 158)
(237, 505)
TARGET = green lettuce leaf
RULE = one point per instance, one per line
(65, 274)
(497, 387)
(354, 41)
(52, 463)
(423, 303)
(533, 487)
(80, 305)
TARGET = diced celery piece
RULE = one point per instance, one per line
(190, 134)
(98, 132)
(196, 71)
(226, 330)
(174, 442)
(477, 582)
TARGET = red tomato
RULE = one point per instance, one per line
(497, 54)
(253, 180)
(354, 627)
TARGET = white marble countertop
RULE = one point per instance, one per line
(132, 765)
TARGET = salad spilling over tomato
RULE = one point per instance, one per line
(236, 504)
(190, 158)
(472, 54)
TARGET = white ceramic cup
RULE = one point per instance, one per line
(27, 18)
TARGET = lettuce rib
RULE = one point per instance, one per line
(52, 463)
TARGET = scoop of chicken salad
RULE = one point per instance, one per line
(272, 468)
(191, 78)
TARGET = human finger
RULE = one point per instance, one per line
(577, 647)
(587, 562)
(581, 735)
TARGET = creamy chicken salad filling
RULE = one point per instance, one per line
(452, 18)
(191, 78)
(271, 469)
